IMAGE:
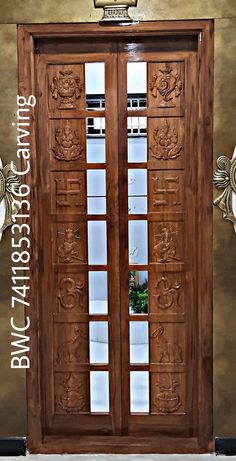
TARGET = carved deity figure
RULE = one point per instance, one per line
(68, 144)
(9, 186)
(168, 352)
(167, 399)
(165, 248)
(72, 398)
(165, 82)
(68, 87)
(167, 293)
(70, 351)
(68, 247)
(167, 145)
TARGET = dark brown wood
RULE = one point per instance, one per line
(180, 335)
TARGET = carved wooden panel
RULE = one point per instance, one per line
(167, 343)
(69, 243)
(68, 193)
(166, 86)
(67, 144)
(71, 345)
(166, 242)
(166, 191)
(166, 148)
(167, 292)
(66, 87)
(72, 292)
(167, 393)
(71, 393)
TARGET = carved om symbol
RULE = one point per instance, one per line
(70, 293)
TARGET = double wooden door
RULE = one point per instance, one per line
(121, 219)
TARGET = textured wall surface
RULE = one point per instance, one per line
(12, 384)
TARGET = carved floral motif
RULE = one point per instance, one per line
(167, 145)
(68, 246)
(72, 399)
(167, 296)
(168, 352)
(166, 83)
(67, 87)
(167, 399)
(165, 248)
(68, 145)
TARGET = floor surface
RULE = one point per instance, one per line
(118, 458)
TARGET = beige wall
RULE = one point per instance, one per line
(12, 383)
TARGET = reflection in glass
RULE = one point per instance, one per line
(137, 84)
(137, 205)
(99, 391)
(96, 205)
(96, 183)
(98, 303)
(137, 149)
(98, 342)
(139, 342)
(138, 242)
(137, 126)
(95, 85)
(139, 392)
(137, 191)
(138, 292)
(97, 242)
(96, 150)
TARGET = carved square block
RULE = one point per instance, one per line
(166, 87)
(167, 343)
(71, 393)
(69, 242)
(166, 140)
(70, 345)
(166, 242)
(68, 192)
(66, 87)
(166, 191)
(72, 292)
(168, 396)
(67, 143)
(166, 295)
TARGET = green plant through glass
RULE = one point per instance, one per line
(138, 295)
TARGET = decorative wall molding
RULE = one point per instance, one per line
(115, 10)
(225, 178)
(9, 182)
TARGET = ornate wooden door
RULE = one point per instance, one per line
(122, 254)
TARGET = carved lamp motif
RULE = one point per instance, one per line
(225, 178)
(115, 10)
(9, 183)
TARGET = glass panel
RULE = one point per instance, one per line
(96, 150)
(97, 242)
(138, 292)
(96, 183)
(95, 85)
(139, 342)
(139, 391)
(137, 205)
(138, 242)
(137, 84)
(137, 182)
(98, 303)
(99, 391)
(137, 126)
(98, 342)
(137, 149)
(96, 205)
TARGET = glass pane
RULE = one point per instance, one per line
(96, 183)
(97, 242)
(96, 205)
(138, 292)
(99, 391)
(137, 149)
(137, 205)
(138, 242)
(98, 342)
(95, 85)
(98, 303)
(96, 150)
(139, 342)
(139, 391)
(137, 182)
(137, 126)
(137, 84)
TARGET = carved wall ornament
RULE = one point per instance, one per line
(68, 145)
(168, 352)
(225, 178)
(167, 296)
(71, 293)
(115, 10)
(168, 194)
(9, 183)
(70, 351)
(68, 246)
(167, 400)
(72, 399)
(68, 192)
(67, 87)
(166, 83)
(167, 145)
(166, 247)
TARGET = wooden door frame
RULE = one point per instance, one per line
(37, 442)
